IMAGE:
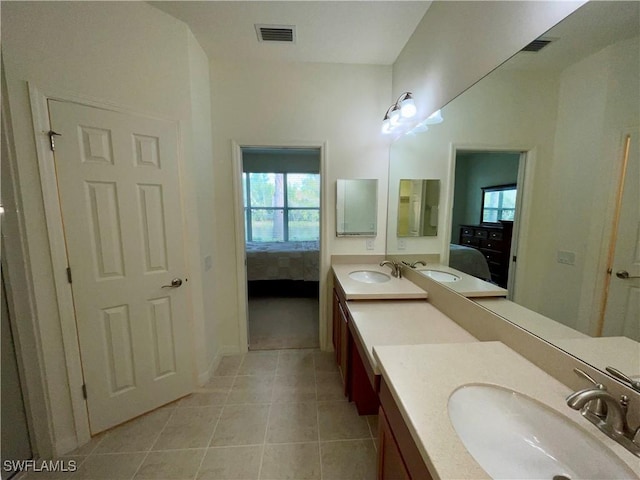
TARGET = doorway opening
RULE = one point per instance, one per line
(281, 201)
(485, 215)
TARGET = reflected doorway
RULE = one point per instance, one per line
(485, 214)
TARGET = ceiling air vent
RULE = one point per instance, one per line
(276, 33)
(537, 45)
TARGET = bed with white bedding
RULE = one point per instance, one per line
(469, 260)
(283, 261)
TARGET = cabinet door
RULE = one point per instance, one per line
(336, 326)
(390, 463)
(344, 350)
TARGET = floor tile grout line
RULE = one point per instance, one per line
(215, 427)
(173, 411)
(315, 377)
(266, 428)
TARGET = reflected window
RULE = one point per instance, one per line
(498, 203)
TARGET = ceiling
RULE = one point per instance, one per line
(357, 32)
(584, 32)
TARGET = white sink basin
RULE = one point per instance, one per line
(440, 276)
(369, 276)
(514, 436)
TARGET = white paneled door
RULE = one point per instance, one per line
(623, 300)
(121, 208)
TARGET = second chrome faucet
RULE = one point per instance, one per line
(396, 268)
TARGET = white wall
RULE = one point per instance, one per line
(202, 175)
(124, 53)
(457, 43)
(285, 104)
(597, 102)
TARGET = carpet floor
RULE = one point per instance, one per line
(278, 323)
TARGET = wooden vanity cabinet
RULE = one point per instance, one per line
(364, 383)
(341, 335)
(398, 455)
(390, 463)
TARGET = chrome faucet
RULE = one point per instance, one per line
(396, 268)
(414, 264)
(614, 424)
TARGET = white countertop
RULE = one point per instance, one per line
(402, 323)
(395, 288)
(422, 377)
(529, 320)
(468, 285)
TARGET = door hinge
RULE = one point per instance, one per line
(514, 258)
(609, 271)
(52, 142)
(84, 390)
(69, 279)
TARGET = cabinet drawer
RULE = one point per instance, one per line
(496, 235)
(494, 258)
(466, 231)
(472, 241)
(481, 234)
(495, 245)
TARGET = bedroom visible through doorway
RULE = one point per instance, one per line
(281, 199)
(485, 215)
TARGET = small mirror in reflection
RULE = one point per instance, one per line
(418, 208)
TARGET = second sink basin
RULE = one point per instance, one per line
(369, 276)
(440, 276)
(514, 436)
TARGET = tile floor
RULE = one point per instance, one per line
(264, 415)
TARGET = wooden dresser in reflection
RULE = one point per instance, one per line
(494, 242)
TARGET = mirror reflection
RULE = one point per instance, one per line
(569, 117)
(356, 207)
(418, 208)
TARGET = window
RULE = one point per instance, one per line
(281, 207)
(498, 203)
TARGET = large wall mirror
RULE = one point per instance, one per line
(557, 126)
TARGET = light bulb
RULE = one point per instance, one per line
(435, 117)
(408, 108)
(386, 125)
(394, 116)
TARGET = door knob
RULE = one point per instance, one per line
(175, 283)
(623, 274)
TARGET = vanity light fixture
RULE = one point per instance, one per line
(423, 126)
(434, 118)
(403, 108)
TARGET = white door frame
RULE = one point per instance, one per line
(526, 172)
(237, 146)
(39, 108)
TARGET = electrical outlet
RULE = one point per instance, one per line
(370, 243)
(402, 244)
(566, 258)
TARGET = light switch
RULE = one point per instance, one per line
(402, 244)
(208, 263)
(566, 258)
(370, 243)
